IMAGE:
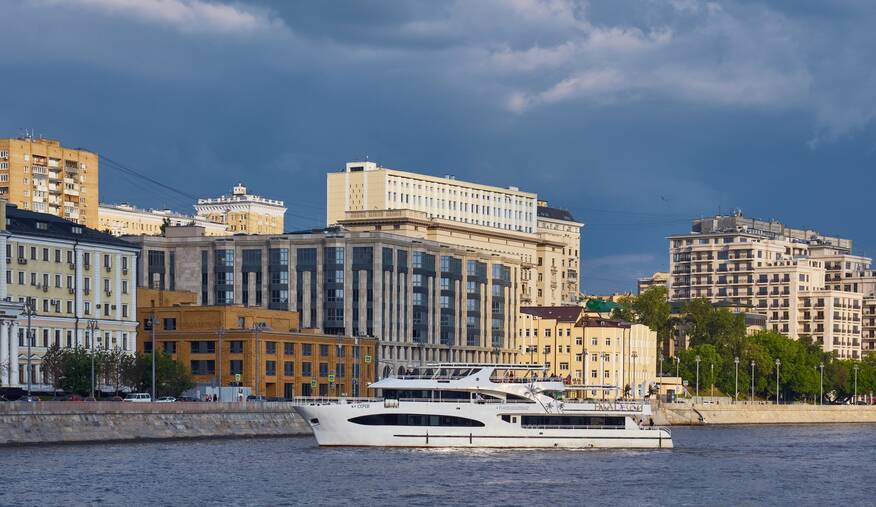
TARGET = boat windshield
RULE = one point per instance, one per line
(438, 373)
(521, 376)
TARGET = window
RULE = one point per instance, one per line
(271, 368)
(289, 349)
(306, 370)
(236, 366)
(203, 347)
(414, 420)
(323, 369)
(203, 367)
(170, 324)
(270, 347)
(168, 347)
(288, 368)
(306, 349)
(323, 350)
(236, 347)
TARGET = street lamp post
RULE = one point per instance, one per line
(257, 329)
(712, 368)
(677, 365)
(778, 366)
(30, 311)
(660, 358)
(634, 355)
(697, 359)
(92, 328)
(752, 380)
(736, 382)
(855, 399)
(821, 391)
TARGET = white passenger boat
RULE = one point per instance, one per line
(481, 405)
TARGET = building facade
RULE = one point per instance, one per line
(601, 354)
(658, 279)
(42, 176)
(804, 282)
(73, 275)
(127, 220)
(241, 212)
(508, 222)
(422, 300)
(558, 280)
(263, 349)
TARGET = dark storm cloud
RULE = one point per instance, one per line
(635, 115)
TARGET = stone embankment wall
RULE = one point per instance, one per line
(744, 413)
(82, 422)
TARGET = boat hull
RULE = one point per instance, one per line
(332, 427)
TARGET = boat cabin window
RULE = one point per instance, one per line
(571, 421)
(414, 420)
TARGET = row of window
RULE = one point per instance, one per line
(58, 255)
(235, 367)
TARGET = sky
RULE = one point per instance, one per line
(636, 116)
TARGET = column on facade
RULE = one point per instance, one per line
(320, 284)
(293, 282)
(362, 324)
(13, 354)
(484, 321)
(117, 286)
(457, 314)
(4, 352)
(506, 341)
(3, 267)
(348, 290)
(266, 277)
(305, 299)
(377, 300)
(430, 311)
(80, 300)
(386, 304)
(394, 302)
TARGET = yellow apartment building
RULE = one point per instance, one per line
(41, 175)
(604, 355)
(242, 212)
(127, 220)
(74, 276)
(265, 350)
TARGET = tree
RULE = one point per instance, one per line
(76, 375)
(53, 365)
(172, 376)
(164, 225)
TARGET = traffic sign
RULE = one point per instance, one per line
(313, 382)
(237, 377)
(367, 359)
(331, 378)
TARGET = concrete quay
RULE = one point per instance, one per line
(694, 414)
(99, 422)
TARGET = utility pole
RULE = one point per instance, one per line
(154, 355)
(736, 383)
(778, 365)
(752, 380)
(92, 329)
(697, 359)
(30, 310)
(257, 329)
(821, 393)
(855, 399)
(219, 366)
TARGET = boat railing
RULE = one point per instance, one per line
(330, 400)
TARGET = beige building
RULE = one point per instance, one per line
(422, 300)
(492, 220)
(602, 354)
(73, 275)
(127, 220)
(658, 279)
(804, 282)
(241, 212)
(43, 176)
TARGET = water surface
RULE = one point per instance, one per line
(735, 465)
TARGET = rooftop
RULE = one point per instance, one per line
(31, 223)
(567, 313)
(555, 213)
(239, 195)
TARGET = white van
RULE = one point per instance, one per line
(138, 398)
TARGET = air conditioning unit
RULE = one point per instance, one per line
(124, 271)
(86, 291)
(45, 288)
(22, 260)
(9, 260)
(71, 291)
(87, 266)
(72, 266)
(108, 268)
(113, 307)
(109, 293)
(97, 306)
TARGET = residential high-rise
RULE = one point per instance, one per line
(42, 176)
(424, 301)
(243, 213)
(73, 275)
(803, 281)
(658, 279)
(495, 220)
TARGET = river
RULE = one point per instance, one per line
(731, 465)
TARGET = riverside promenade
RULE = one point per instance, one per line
(693, 414)
(54, 422)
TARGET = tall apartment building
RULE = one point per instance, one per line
(422, 300)
(658, 279)
(243, 213)
(127, 220)
(559, 280)
(43, 176)
(494, 220)
(605, 355)
(803, 281)
(73, 275)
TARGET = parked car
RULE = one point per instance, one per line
(253, 397)
(187, 399)
(165, 399)
(138, 398)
